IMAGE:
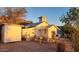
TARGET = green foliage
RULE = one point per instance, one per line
(72, 16)
(71, 27)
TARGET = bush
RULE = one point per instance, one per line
(73, 35)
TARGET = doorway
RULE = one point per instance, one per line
(1, 32)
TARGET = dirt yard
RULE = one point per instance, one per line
(25, 46)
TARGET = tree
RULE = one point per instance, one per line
(11, 14)
(71, 17)
(71, 27)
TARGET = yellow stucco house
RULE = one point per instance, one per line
(31, 29)
(41, 28)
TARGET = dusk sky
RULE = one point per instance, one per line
(53, 14)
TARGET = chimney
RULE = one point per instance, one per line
(42, 19)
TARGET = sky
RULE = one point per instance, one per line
(53, 14)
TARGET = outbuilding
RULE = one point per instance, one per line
(10, 33)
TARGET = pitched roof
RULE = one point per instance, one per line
(32, 24)
(54, 26)
(24, 22)
(3, 19)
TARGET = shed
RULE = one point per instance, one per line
(10, 33)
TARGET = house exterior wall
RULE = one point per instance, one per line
(28, 33)
(41, 32)
(11, 33)
(50, 32)
(33, 31)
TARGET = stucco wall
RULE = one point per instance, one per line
(28, 33)
(11, 33)
(50, 30)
